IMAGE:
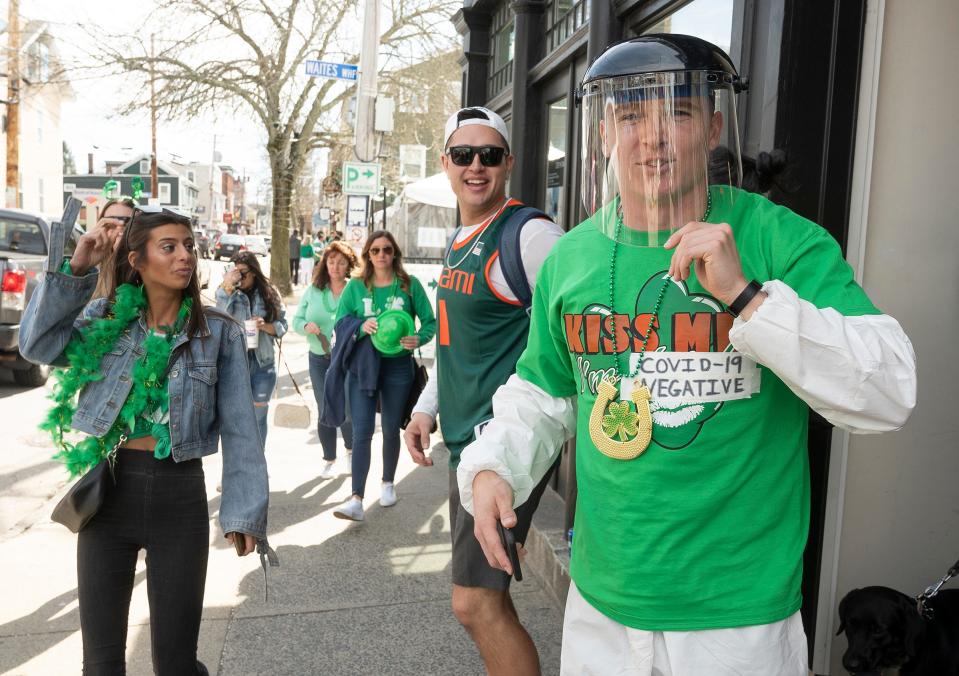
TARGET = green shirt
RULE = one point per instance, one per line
(306, 250)
(481, 336)
(317, 306)
(705, 529)
(357, 300)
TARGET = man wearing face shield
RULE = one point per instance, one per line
(700, 325)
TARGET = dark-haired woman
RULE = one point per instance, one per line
(245, 294)
(159, 380)
(115, 215)
(314, 319)
(383, 285)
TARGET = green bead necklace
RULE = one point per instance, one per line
(659, 299)
(615, 429)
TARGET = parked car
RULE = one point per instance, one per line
(228, 246)
(203, 272)
(257, 245)
(23, 255)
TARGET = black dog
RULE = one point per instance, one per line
(885, 630)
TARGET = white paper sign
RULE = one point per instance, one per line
(675, 378)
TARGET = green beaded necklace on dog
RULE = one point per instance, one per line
(615, 428)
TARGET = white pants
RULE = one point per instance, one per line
(595, 645)
(306, 270)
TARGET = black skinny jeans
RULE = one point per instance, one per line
(159, 506)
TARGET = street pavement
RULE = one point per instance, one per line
(348, 598)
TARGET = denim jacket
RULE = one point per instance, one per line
(208, 385)
(237, 305)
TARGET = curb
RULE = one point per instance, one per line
(547, 549)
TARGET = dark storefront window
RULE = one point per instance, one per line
(501, 60)
(563, 18)
(556, 154)
(710, 20)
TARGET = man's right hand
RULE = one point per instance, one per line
(417, 438)
(97, 245)
(492, 502)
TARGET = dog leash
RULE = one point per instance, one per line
(932, 590)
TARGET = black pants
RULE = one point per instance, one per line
(159, 506)
(294, 269)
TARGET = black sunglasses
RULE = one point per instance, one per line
(490, 156)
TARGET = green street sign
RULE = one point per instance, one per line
(361, 178)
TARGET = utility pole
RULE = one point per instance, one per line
(364, 138)
(212, 162)
(154, 185)
(13, 104)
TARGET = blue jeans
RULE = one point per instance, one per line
(263, 382)
(319, 365)
(393, 389)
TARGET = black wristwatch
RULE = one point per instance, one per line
(742, 300)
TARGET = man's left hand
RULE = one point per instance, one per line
(410, 342)
(711, 248)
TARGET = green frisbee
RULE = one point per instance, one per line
(390, 327)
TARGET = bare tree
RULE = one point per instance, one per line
(251, 54)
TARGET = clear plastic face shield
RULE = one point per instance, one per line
(652, 144)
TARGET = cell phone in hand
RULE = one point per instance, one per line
(239, 543)
(509, 544)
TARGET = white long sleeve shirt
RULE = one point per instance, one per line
(857, 372)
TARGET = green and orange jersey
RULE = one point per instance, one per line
(481, 334)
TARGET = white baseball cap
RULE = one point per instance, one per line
(475, 115)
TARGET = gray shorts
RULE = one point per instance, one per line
(470, 568)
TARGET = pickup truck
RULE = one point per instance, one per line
(23, 255)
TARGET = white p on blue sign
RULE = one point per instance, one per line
(338, 71)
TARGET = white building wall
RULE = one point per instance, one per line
(898, 501)
(41, 151)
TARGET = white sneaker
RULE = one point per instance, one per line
(328, 471)
(388, 496)
(352, 510)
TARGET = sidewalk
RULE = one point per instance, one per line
(366, 598)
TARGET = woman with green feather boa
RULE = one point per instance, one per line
(155, 380)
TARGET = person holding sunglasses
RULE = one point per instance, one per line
(115, 214)
(483, 331)
(154, 379)
(245, 294)
(382, 285)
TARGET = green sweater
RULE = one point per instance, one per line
(317, 306)
(359, 302)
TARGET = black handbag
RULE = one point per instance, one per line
(83, 500)
(420, 378)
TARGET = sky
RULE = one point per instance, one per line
(90, 122)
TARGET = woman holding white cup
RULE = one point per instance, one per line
(249, 297)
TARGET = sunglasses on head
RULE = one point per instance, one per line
(490, 156)
(375, 250)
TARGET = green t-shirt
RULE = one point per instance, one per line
(306, 250)
(706, 529)
(318, 307)
(357, 300)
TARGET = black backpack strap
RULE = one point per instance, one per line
(510, 260)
